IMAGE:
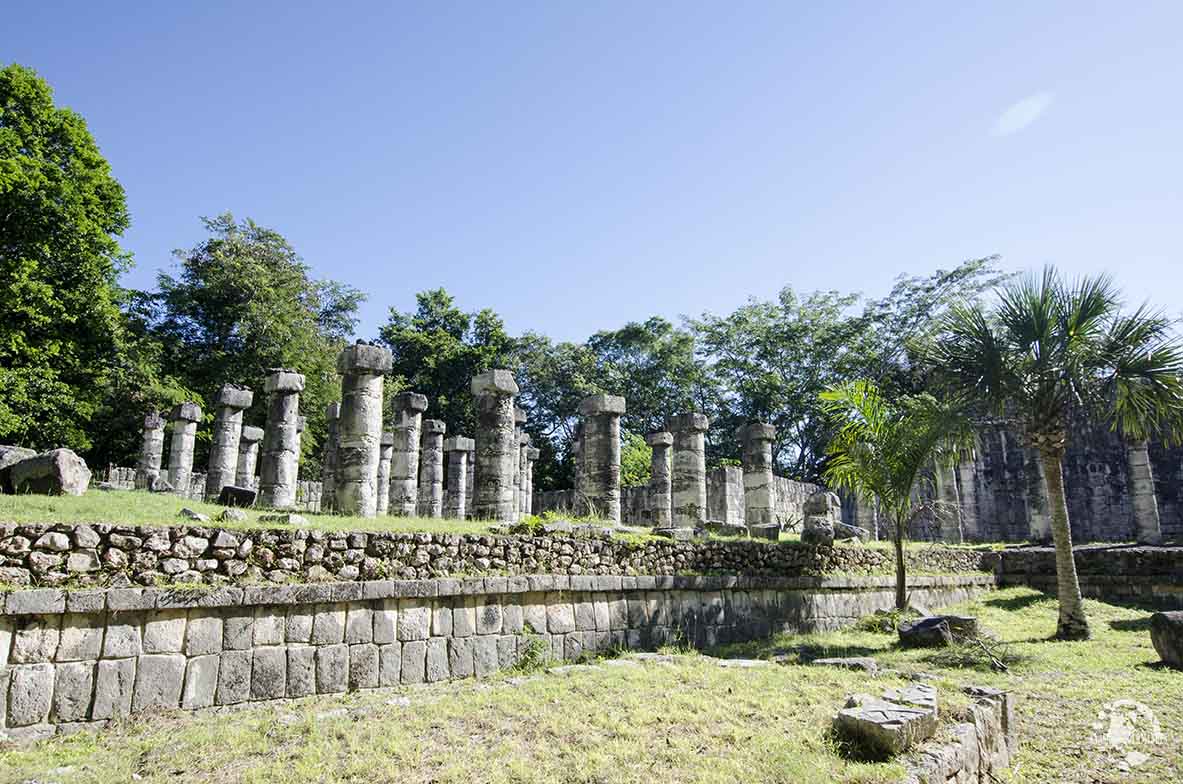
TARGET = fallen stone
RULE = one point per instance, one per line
(743, 664)
(723, 528)
(231, 516)
(842, 531)
(1166, 633)
(884, 727)
(189, 514)
(56, 472)
(931, 632)
(767, 531)
(864, 663)
(233, 495)
(817, 531)
(961, 626)
(284, 518)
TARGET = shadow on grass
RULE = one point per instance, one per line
(1016, 603)
(1130, 624)
(808, 652)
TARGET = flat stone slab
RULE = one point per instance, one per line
(887, 726)
(864, 663)
(1166, 633)
(931, 632)
(573, 669)
(743, 664)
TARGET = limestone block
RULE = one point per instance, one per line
(251, 435)
(488, 617)
(363, 666)
(884, 728)
(283, 380)
(301, 670)
(1166, 634)
(688, 423)
(602, 404)
(201, 682)
(270, 626)
(114, 685)
(159, 680)
(56, 472)
(390, 664)
(238, 629)
(818, 531)
(185, 412)
(409, 402)
(332, 668)
(484, 655)
(495, 382)
(585, 615)
(824, 504)
(364, 358)
(203, 633)
(414, 666)
(512, 617)
(234, 677)
(164, 631)
(460, 662)
(441, 619)
(72, 690)
(299, 623)
(560, 615)
(5, 643)
(414, 620)
(464, 617)
(234, 396)
(328, 625)
(386, 622)
(929, 632)
(359, 625)
(36, 640)
(37, 601)
(459, 444)
(269, 673)
(29, 694)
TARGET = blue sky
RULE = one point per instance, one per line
(578, 165)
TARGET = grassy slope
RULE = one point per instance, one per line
(689, 722)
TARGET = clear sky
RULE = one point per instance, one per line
(578, 165)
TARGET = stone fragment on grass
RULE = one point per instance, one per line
(1166, 633)
(233, 495)
(56, 472)
(864, 663)
(284, 518)
(884, 727)
(931, 632)
(189, 514)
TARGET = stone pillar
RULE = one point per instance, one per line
(1039, 508)
(758, 483)
(431, 469)
(180, 453)
(532, 454)
(523, 462)
(660, 500)
(223, 453)
(470, 473)
(407, 409)
(455, 504)
(328, 460)
(1147, 527)
(577, 459)
(281, 439)
(689, 480)
(948, 505)
(495, 446)
(385, 455)
(601, 454)
(151, 452)
(248, 456)
(519, 419)
(359, 430)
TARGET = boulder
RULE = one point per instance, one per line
(284, 518)
(1166, 632)
(887, 726)
(961, 626)
(159, 484)
(189, 514)
(56, 472)
(10, 455)
(844, 531)
(768, 531)
(817, 531)
(930, 632)
(233, 495)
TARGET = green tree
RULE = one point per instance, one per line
(881, 451)
(636, 459)
(60, 213)
(243, 302)
(1049, 350)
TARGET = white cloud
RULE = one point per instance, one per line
(1022, 113)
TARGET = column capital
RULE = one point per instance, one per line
(688, 422)
(283, 380)
(409, 401)
(756, 431)
(187, 412)
(602, 404)
(252, 435)
(494, 382)
(662, 438)
(364, 358)
(459, 444)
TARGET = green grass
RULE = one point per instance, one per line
(690, 721)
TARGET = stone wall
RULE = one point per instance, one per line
(74, 659)
(147, 555)
(979, 748)
(1141, 575)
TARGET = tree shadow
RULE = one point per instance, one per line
(1015, 603)
(1131, 624)
(808, 652)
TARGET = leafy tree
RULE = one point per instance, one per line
(60, 213)
(636, 458)
(244, 302)
(1050, 349)
(881, 451)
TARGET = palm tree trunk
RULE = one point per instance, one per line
(1146, 520)
(1072, 625)
(901, 574)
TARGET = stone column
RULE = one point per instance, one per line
(180, 454)
(457, 448)
(385, 455)
(519, 419)
(359, 430)
(532, 454)
(523, 463)
(689, 480)
(601, 454)
(758, 483)
(328, 460)
(1147, 527)
(431, 469)
(1039, 508)
(407, 409)
(248, 456)
(470, 474)
(948, 505)
(495, 446)
(151, 453)
(577, 459)
(281, 439)
(661, 513)
(223, 453)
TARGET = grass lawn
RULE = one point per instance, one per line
(686, 721)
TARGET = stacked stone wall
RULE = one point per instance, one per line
(70, 660)
(1141, 575)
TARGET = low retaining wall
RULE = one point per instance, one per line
(982, 745)
(148, 555)
(1141, 575)
(82, 658)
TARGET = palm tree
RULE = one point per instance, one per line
(1050, 351)
(884, 451)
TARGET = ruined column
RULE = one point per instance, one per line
(431, 469)
(151, 453)
(180, 454)
(407, 409)
(457, 448)
(948, 505)
(281, 439)
(248, 456)
(759, 506)
(660, 500)
(328, 460)
(359, 429)
(1039, 508)
(223, 454)
(577, 459)
(495, 446)
(689, 480)
(469, 474)
(519, 419)
(523, 462)
(385, 455)
(532, 454)
(1147, 527)
(601, 454)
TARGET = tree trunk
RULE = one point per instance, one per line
(901, 575)
(1146, 522)
(1072, 625)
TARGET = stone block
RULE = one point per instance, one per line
(602, 404)
(414, 666)
(660, 439)
(159, 680)
(201, 682)
(464, 617)
(235, 496)
(585, 614)
(164, 631)
(359, 625)
(494, 382)
(364, 358)
(251, 435)
(409, 402)
(414, 621)
(688, 423)
(270, 626)
(390, 664)
(114, 685)
(185, 412)
(269, 672)
(883, 727)
(301, 670)
(484, 655)
(929, 632)
(73, 688)
(332, 668)
(234, 677)
(328, 625)
(29, 694)
(488, 617)
(560, 615)
(35, 639)
(37, 601)
(507, 651)
(600, 611)
(203, 633)
(617, 613)
(460, 657)
(283, 380)
(86, 601)
(363, 666)
(238, 630)
(512, 618)
(441, 619)
(234, 396)
(437, 666)
(459, 444)
(1166, 634)
(299, 624)
(81, 638)
(6, 633)
(386, 622)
